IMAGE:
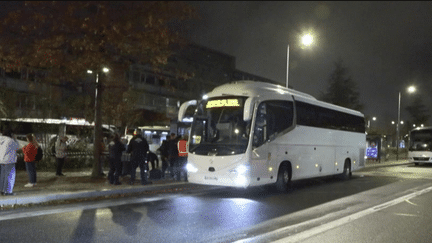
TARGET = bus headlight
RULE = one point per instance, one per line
(241, 177)
(240, 170)
(241, 181)
(191, 168)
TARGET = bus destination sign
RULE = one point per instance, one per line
(222, 103)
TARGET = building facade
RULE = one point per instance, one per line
(164, 91)
(160, 91)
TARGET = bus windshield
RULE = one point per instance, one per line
(218, 127)
(421, 140)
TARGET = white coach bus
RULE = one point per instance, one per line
(249, 133)
(420, 145)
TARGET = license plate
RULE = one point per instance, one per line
(210, 178)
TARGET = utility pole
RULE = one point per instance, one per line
(97, 166)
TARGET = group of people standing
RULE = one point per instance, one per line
(141, 157)
(171, 160)
(137, 147)
(8, 158)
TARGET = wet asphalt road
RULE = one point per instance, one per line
(222, 215)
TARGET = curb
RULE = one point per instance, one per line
(387, 164)
(43, 198)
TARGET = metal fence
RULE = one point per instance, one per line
(80, 155)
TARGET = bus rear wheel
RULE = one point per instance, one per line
(283, 178)
(346, 174)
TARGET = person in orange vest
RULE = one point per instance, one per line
(180, 170)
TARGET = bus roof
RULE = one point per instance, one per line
(254, 88)
(72, 122)
(262, 89)
(81, 122)
(421, 129)
(154, 128)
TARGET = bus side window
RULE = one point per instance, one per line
(273, 117)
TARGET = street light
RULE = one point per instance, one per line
(306, 40)
(410, 89)
(369, 122)
(97, 123)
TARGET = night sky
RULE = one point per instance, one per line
(386, 46)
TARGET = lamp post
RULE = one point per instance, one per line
(410, 89)
(306, 40)
(97, 166)
(287, 72)
(370, 124)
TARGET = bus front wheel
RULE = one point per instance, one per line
(283, 178)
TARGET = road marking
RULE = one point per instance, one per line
(408, 201)
(406, 214)
(95, 205)
(325, 227)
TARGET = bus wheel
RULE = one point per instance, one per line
(283, 179)
(346, 174)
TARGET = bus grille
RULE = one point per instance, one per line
(421, 158)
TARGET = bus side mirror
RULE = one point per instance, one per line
(248, 109)
(183, 108)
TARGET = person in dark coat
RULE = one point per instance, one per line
(172, 153)
(152, 159)
(164, 155)
(138, 147)
(116, 149)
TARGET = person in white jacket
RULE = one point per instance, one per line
(61, 152)
(8, 159)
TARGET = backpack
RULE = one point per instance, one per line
(39, 154)
(155, 174)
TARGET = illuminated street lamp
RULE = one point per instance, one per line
(369, 122)
(306, 40)
(410, 89)
(97, 123)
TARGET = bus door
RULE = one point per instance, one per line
(260, 147)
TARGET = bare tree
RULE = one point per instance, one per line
(69, 38)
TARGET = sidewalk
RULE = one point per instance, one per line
(79, 185)
(76, 185)
(382, 163)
